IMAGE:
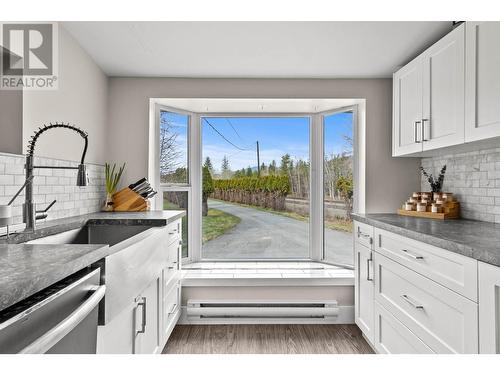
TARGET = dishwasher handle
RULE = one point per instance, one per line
(53, 336)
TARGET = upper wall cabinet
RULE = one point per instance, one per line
(407, 107)
(482, 81)
(428, 98)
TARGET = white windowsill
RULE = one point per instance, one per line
(265, 273)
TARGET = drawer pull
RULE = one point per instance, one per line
(414, 256)
(368, 261)
(361, 234)
(412, 302)
(174, 307)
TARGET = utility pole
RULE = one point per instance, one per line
(258, 160)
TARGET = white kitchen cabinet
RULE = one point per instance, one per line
(364, 290)
(143, 305)
(443, 91)
(364, 279)
(407, 109)
(393, 337)
(428, 98)
(489, 309)
(444, 320)
(482, 81)
(147, 320)
(136, 328)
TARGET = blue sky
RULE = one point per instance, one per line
(276, 135)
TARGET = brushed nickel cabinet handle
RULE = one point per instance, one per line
(412, 302)
(368, 261)
(414, 256)
(423, 129)
(143, 323)
(415, 127)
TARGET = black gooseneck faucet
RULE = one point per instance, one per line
(30, 214)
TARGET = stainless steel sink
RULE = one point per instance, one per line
(93, 234)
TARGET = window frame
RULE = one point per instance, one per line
(355, 156)
(174, 187)
(310, 116)
(316, 157)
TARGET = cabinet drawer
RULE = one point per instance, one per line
(454, 271)
(172, 303)
(174, 231)
(363, 234)
(173, 254)
(441, 318)
(393, 337)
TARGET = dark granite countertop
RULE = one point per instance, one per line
(26, 269)
(474, 239)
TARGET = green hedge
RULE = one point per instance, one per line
(279, 185)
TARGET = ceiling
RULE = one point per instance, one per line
(255, 49)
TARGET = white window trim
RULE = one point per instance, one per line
(316, 154)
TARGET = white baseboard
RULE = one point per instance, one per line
(346, 316)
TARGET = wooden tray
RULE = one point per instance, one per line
(451, 211)
(128, 200)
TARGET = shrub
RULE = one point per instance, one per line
(266, 191)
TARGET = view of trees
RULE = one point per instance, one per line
(173, 158)
(298, 171)
(338, 175)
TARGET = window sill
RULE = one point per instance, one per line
(266, 274)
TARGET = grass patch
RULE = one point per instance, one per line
(339, 223)
(216, 223)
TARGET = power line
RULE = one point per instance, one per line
(230, 123)
(223, 137)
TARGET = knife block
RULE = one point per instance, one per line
(128, 200)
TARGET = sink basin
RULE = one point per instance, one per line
(93, 234)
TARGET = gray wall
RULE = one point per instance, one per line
(474, 177)
(11, 118)
(81, 99)
(388, 180)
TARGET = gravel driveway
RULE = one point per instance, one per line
(264, 235)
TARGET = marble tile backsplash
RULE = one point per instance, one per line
(474, 177)
(50, 184)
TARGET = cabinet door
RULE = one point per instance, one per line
(443, 91)
(147, 325)
(489, 309)
(364, 290)
(482, 80)
(407, 109)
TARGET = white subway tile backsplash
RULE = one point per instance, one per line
(49, 185)
(474, 177)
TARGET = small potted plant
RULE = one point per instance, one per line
(113, 177)
(436, 184)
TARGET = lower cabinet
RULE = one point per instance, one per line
(489, 309)
(393, 337)
(148, 314)
(410, 298)
(136, 329)
(147, 320)
(364, 289)
(444, 320)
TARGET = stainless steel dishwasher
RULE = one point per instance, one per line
(60, 319)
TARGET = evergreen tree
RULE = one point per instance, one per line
(285, 165)
(272, 167)
(249, 172)
(263, 169)
(207, 189)
(225, 168)
(208, 164)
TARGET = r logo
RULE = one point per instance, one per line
(31, 49)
